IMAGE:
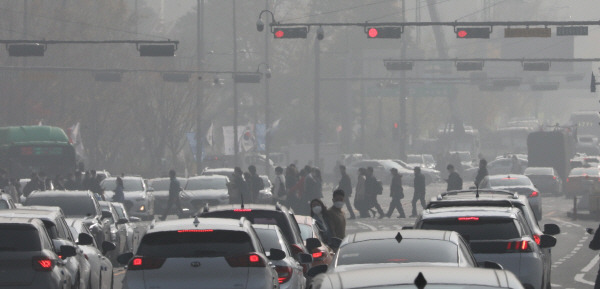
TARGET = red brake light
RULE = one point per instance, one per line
(284, 273)
(554, 177)
(567, 180)
(242, 210)
(251, 260)
(43, 264)
(468, 219)
(145, 263)
(509, 178)
(60, 257)
(534, 194)
(317, 255)
(194, 231)
(518, 246)
(537, 239)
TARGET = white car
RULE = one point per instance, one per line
(207, 190)
(138, 200)
(289, 269)
(519, 184)
(101, 276)
(381, 170)
(29, 258)
(201, 253)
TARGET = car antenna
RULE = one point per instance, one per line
(477, 191)
(242, 197)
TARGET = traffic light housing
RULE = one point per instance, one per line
(593, 86)
(290, 32)
(26, 49)
(396, 132)
(390, 32)
(473, 32)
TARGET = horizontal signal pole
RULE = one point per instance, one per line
(453, 24)
(497, 59)
(4, 41)
(50, 68)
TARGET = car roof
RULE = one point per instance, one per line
(455, 212)
(406, 234)
(396, 275)
(124, 178)
(478, 195)
(28, 213)
(496, 177)
(230, 207)
(266, 227)
(44, 208)
(20, 220)
(208, 177)
(60, 194)
(202, 224)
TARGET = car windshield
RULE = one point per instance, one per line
(305, 231)
(584, 172)
(72, 206)
(269, 239)
(163, 184)
(206, 184)
(474, 228)
(18, 237)
(538, 171)
(195, 243)
(414, 159)
(429, 159)
(390, 251)
(129, 184)
(509, 181)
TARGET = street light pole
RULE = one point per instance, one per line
(317, 101)
(267, 103)
(200, 96)
(235, 92)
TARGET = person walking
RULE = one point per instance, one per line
(481, 173)
(397, 194)
(345, 185)
(419, 194)
(32, 185)
(278, 189)
(454, 180)
(238, 190)
(360, 198)
(256, 184)
(373, 188)
(337, 219)
(119, 195)
(318, 212)
(174, 189)
(71, 183)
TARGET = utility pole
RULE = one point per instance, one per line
(267, 102)
(403, 95)
(316, 139)
(200, 96)
(235, 92)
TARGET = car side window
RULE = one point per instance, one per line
(464, 252)
(255, 240)
(63, 232)
(46, 241)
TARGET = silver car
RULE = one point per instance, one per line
(101, 276)
(28, 258)
(138, 200)
(201, 253)
(519, 184)
(160, 188)
(207, 190)
(289, 271)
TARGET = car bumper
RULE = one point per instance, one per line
(528, 267)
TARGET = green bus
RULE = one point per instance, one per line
(28, 149)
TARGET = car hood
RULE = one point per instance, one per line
(344, 268)
(134, 194)
(205, 194)
(161, 193)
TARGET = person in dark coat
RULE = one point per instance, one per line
(71, 183)
(237, 187)
(397, 194)
(481, 173)
(32, 185)
(174, 189)
(454, 180)
(419, 195)
(119, 195)
(345, 185)
(372, 189)
(256, 184)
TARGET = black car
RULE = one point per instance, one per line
(78, 205)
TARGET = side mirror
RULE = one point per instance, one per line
(108, 246)
(276, 254)
(134, 219)
(490, 265)
(335, 243)
(106, 215)
(547, 241)
(551, 229)
(67, 251)
(316, 270)
(305, 258)
(122, 221)
(85, 239)
(312, 243)
(590, 231)
(124, 258)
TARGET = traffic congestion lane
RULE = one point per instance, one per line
(574, 265)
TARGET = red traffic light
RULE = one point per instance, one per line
(395, 125)
(473, 32)
(290, 32)
(462, 34)
(279, 33)
(373, 32)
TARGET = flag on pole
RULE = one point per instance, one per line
(75, 136)
(209, 135)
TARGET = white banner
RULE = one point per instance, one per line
(228, 143)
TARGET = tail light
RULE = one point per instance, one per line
(318, 255)
(468, 219)
(534, 194)
(554, 177)
(537, 239)
(518, 246)
(42, 264)
(145, 263)
(567, 180)
(284, 273)
(251, 260)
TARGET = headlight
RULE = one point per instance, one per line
(142, 208)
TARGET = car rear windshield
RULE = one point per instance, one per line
(129, 185)
(476, 229)
(195, 243)
(258, 217)
(538, 171)
(19, 238)
(584, 172)
(390, 251)
(206, 184)
(510, 182)
(269, 239)
(72, 206)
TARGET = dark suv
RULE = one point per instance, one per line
(264, 214)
